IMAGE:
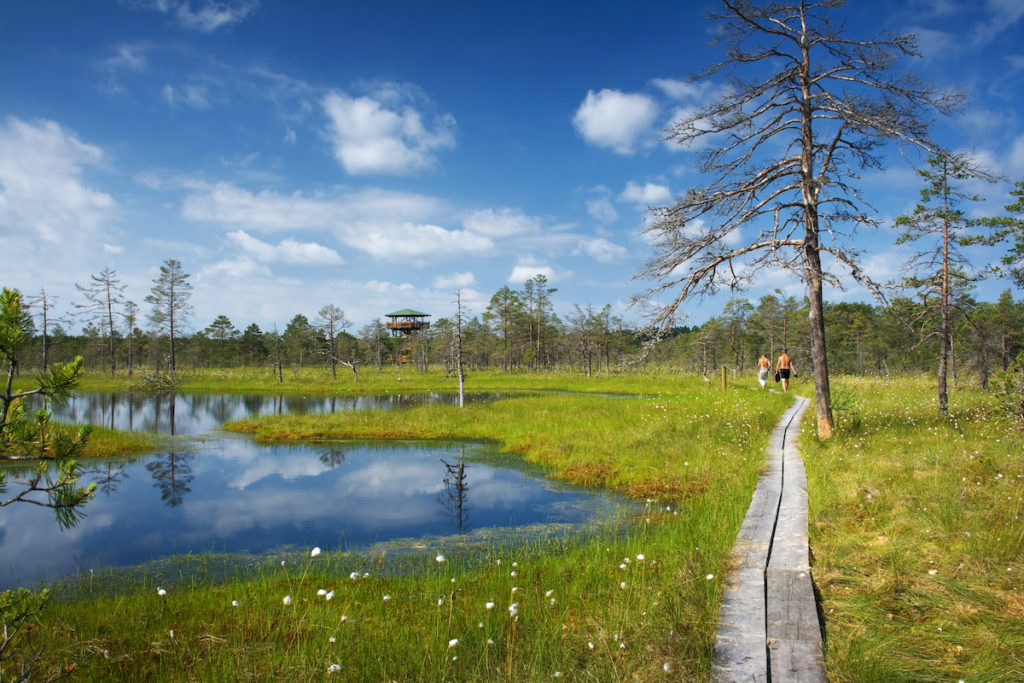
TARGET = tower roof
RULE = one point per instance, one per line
(405, 312)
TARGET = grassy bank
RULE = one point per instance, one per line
(636, 599)
(318, 380)
(917, 535)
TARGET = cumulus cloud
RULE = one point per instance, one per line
(42, 191)
(1000, 15)
(384, 132)
(207, 16)
(616, 120)
(387, 225)
(285, 251)
(602, 250)
(527, 271)
(502, 222)
(648, 194)
(455, 281)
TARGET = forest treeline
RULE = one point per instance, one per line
(519, 330)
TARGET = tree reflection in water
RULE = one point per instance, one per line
(172, 473)
(453, 497)
(332, 457)
(107, 476)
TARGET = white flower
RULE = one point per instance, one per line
(490, 641)
(234, 603)
(161, 592)
(453, 642)
(512, 573)
(315, 552)
(322, 591)
(547, 594)
(640, 557)
(282, 563)
(558, 674)
(933, 572)
(489, 605)
(667, 667)
(344, 618)
(440, 601)
(333, 668)
(354, 575)
(329, 595)
(172, 633)
(332, 639)
(287, 600)
(590, 645)
(439, 558)
(515, 588)
(709, 577)
(386, 598)
(622, 585)
(622, 566)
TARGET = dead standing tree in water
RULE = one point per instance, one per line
(785, 146)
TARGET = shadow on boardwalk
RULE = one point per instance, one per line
(768, 628)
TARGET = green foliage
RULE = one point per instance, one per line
(1009, 389)
(18, 659)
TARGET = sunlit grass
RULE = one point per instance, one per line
(917, 533)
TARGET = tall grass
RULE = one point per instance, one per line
(917, 535)
(633, 598)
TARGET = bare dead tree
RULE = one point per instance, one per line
(332, 322)
(101, 294)
(44, 303)
(785, 148)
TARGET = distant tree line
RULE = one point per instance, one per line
(519, 330)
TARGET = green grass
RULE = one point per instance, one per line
(917, 533)
(695, 452)
(318, 380)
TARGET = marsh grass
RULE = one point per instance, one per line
(917, 534)
(629, 599)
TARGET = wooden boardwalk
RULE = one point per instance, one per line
(768, 628)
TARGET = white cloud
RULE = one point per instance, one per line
(1000, 16)
(188, 95)
(503, 222)
(527, 271)
(384, 133)
(616, 120)
(41, 187)
(601, 208)
(285, 251)
(648, 194)
(207, 17)
(455, 281)
(602, 250)
(113, 249)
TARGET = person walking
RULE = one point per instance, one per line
(763, 367)
(785, 367)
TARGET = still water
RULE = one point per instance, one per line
(223, 493)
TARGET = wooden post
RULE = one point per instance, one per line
(723, 377)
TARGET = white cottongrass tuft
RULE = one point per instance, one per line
(329, 595)
(439, 558)
(548, 593)
(234, 603)
(354, 575)
(709, 577)
(322, 591)
(287, 600)
(172, 633)
(453, 642)
(332, 640)
(386, 598)
(640, 557)
(161, 592)
(489, 605)
(315, 552)
(333, 669)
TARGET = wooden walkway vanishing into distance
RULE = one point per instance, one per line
(768, 628)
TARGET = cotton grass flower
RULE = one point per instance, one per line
(287, 600)
(439, 559)
(329, 595)
(322, 592)
(709, 577)
(386, 598)
(453, 642)
(489, 605)
(161, 592)
(315, 552)
(332, 640)
(333, 669)
(234, 603)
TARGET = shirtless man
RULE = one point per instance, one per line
(763, 366)
(784, 368)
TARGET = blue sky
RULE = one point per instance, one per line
(385, 155)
